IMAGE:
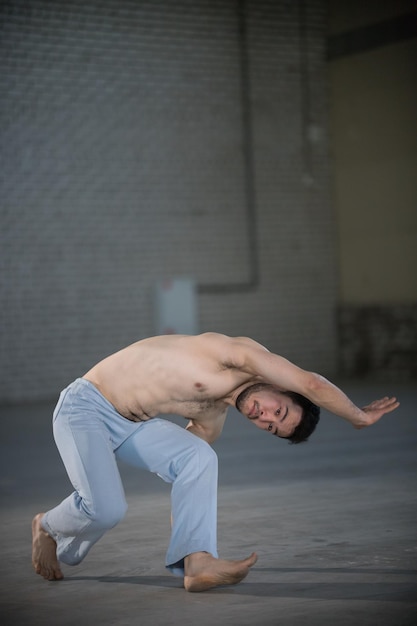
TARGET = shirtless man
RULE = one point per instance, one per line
(110, 413)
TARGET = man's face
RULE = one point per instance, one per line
(272, 411)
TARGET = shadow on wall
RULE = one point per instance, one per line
(378, 341)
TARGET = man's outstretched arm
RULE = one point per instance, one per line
(328, 396)
(278, 371)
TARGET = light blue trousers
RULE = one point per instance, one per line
(91, 436)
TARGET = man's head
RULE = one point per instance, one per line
(284, 414)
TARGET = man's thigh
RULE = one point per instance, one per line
(159, 446)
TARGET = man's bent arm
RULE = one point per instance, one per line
(208, 429)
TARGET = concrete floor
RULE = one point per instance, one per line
(333, 522)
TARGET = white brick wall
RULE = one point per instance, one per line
(125, 160)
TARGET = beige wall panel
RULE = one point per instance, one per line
(374, 104)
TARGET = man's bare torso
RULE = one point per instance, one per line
(192, 376)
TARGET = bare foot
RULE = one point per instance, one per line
(203, 571)
(44, 552)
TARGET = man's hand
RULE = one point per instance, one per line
(376, 409)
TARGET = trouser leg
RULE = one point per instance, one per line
(98, 502)
(190, 464)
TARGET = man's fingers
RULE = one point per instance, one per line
(386, 400)
(391, 402)
(384, 404)
(392, 406)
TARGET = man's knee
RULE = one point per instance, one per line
(208, 455)
(108, 514)
(200, 457)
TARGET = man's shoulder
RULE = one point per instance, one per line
(229, 352)
(215, 337)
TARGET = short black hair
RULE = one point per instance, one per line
(309, 419)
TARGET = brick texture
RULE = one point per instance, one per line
(132, 135)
